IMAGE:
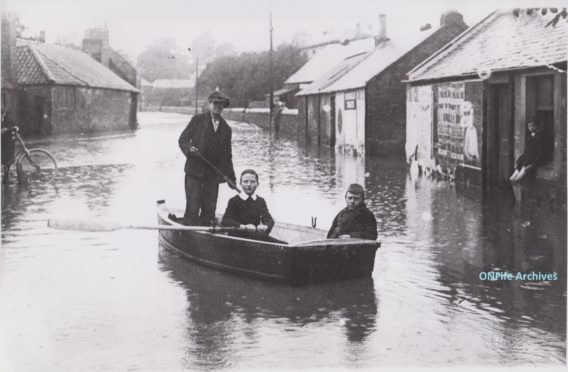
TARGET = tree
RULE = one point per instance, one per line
(164, 59)
(203, 47)
(246, 78)
(224, 49)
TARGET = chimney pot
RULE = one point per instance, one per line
(451, 17)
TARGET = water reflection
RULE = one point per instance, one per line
(426, 304)
(221, 305)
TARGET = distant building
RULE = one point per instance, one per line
(172, 92)
(509, 69)
(145, 88)
(286, 96)
(334, 37)
(57, 90)
(359, 104)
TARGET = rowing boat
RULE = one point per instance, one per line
(307, 258)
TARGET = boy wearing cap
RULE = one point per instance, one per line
(355, 220)
(249, 211)
(208, 135)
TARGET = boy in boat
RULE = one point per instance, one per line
(249, 211)
(355, 220)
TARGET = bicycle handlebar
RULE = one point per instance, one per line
(15, 128)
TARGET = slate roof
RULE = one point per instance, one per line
(499, 42)
(332, 75)
(327, 58)
(45, 64)
(379, 59)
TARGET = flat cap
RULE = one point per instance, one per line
(218, 96)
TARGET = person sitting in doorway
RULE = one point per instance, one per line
(249, 212)
(355, 220)
(529, 159)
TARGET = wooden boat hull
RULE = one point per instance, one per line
(310, 258)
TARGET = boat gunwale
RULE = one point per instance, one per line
(163, 212)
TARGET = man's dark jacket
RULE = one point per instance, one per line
(214, 146)
(358, 223)
(533, 151)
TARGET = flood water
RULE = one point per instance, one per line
(94, 301)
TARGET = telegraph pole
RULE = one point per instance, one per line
(196, 72)
(271, 96)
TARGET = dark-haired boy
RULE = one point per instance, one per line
(249, 211)
(355, 220)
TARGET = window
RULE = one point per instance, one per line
(350, 101)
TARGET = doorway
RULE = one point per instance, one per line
(500, 150)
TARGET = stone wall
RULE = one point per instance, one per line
(288, 123)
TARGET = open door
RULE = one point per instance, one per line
(500, 150)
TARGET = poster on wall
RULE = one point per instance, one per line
(458, 139)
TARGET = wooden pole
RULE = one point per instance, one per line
(270, 67)
(196, 73)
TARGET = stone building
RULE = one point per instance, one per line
(508, 69)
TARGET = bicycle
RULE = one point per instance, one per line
(31, 164)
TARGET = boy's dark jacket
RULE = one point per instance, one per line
(199, 133)
(358, 223)
(244, 212)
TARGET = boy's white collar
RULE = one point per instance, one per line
(243, 195)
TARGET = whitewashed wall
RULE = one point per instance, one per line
(419, 123)
(350, 124)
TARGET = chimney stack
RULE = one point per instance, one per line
(452, 17)
(382, 36)
(95, 43)
(42, 36)
(9, 48)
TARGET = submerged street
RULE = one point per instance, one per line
(116, 301)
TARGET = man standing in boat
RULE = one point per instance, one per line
(206, 143)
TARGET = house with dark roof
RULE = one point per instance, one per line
(61, 90)
(360, 103)
(508, 69)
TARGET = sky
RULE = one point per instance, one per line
(135, 24)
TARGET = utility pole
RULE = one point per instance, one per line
(271, 96)
(196, 73)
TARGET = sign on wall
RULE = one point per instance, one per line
(458, 138)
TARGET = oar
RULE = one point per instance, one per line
(106, 225)
(227, 179)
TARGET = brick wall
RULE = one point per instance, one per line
(385, 124)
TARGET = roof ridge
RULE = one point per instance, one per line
(456, 42)
(40, 62)
(64, 69)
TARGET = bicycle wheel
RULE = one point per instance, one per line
(38, 164)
